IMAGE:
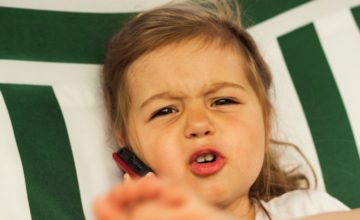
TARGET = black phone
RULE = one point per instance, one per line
(128, 162)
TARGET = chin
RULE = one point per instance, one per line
(214, 194)
(221, 194)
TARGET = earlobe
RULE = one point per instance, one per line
(120, 140)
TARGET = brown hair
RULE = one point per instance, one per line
(211, 21)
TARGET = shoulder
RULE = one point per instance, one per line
(301, 203)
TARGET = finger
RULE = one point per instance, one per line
(147, 188)
(132, 191)
(150, 174)
(123, 195)
(176, 195)
(150, 186)
(127, 178)
(104, 210)
(148, 210)
(156, 210)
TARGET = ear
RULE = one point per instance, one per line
(120, 140)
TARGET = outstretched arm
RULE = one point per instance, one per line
(151, 198)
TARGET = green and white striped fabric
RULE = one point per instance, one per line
(55, 153)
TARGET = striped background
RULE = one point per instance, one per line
(54, 149)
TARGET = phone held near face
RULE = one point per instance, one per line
(129, 163)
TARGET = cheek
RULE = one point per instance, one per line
(162, 152)
(248, 142)
(248, 131)
(253, 138)
(255, 148)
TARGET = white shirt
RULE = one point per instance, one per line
(298, 204)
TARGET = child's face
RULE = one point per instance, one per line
(189, 103)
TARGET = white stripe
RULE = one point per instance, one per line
(340, 39)
(47, 73)
(98, 6)
(13, 197)
(92, 151)
(77, 89)
(297, 17)
(290, 121)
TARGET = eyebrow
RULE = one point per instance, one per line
(213, 88)
(163, 95)
(217, 86)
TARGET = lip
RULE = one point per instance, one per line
(206, 169)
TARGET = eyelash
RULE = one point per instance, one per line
(224, 101)
(162, 112)
(168, 110)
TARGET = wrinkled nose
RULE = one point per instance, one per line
(198, 124)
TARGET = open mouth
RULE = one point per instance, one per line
(206, 162)
(208, 158)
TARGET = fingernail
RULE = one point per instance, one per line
(126, 177)
(150, 174)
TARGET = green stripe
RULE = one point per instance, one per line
(254, 12)
(55, 36)
(325, 113)
(356, 13)
(45, 152)
(81, 37)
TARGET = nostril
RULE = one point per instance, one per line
(193, 135)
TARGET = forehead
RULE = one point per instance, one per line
(187, 48)
(186, 66)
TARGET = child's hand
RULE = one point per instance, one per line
(150, 198)
(120, 201)
(177, 203)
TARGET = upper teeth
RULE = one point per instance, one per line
(208, 157)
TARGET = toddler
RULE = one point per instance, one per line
(188, 92)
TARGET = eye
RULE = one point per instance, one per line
(163, 111)
(223, 101)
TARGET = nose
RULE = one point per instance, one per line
(198, 124)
